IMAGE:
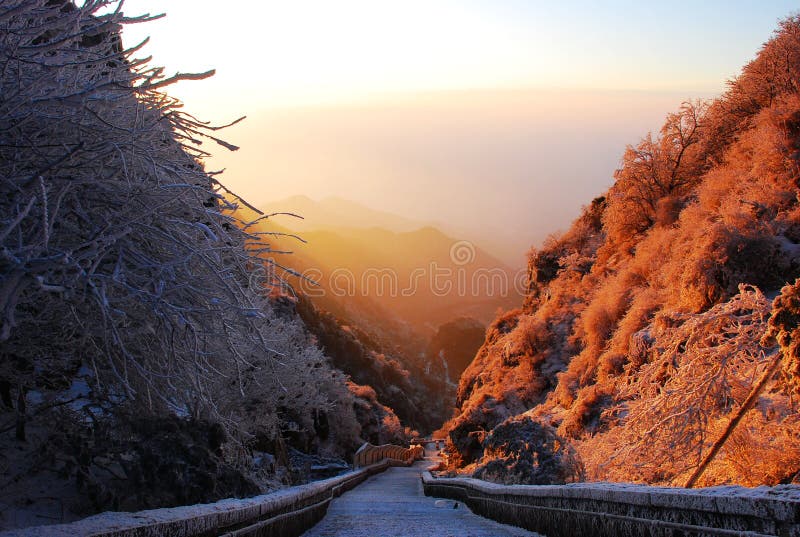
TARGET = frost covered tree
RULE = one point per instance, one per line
(677, 414)
(655, 174)
(122, 261)
(118, 251)
(656, 317)
(128, 281)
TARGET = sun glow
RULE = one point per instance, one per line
(273, 53)
(355, 98)
(279, 53)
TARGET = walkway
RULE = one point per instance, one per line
(392, 504)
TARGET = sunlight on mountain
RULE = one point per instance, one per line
(453, 243)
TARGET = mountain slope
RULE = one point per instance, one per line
(413, 274)
(375, 327)
(647, 323)
(141, 363)
(374, 297)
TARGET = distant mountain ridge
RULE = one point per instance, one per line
(336, 212)
(411, 274)
(393, 266)
(374, 297)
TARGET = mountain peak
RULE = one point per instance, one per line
(337, 212)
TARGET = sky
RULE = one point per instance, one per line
(497, 119)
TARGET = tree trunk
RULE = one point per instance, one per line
(20, 414)
(281, 453)
(5, 393)
(747, 405)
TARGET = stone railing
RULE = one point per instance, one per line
(284, 513)
(606, 509)
(437, 443)
(369, 454)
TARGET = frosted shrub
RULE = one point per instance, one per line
(672, 408)
(784, 328)
(524, 451)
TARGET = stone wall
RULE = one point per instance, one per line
(618, 510)
(370, 454)
(284, 513)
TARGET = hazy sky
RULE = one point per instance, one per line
(496, 116)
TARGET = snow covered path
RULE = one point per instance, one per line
(392, 504)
